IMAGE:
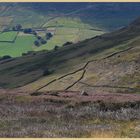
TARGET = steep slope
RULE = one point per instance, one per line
(117, 71)
(103, 62)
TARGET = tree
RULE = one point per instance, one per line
(67, 43)
(56, 48)
(43, 41)
(36, 43)
(38, 37)
(48, 35)
(46, 72)
(13, 28)
(18, 27)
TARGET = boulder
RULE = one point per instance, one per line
(83, 93)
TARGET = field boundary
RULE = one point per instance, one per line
(80, 69)
(12, 41)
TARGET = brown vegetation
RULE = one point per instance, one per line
(68, 114)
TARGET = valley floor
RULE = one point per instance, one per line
(68, 114)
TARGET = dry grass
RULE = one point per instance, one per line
(31, 116)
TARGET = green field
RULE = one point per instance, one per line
(25, 42)
(63, 35)
(22, 44)
(7, 36)
(69, 22)
(68, 29)
(64, 30)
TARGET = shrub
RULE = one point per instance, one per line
(18, 27)
(46, 72)
(48, 35)
(43, 41)
(56, 48)
(29, 53)
(34, 33)
(67, 43)
(24, 54)
(13, 28)
(38, 37)
(36, 43)
(6, 57)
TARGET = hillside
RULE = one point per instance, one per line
(29, 16)
(107, 16)
(67, 22)
(74, 70)
(105, 62)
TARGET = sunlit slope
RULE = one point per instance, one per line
(69, 30)
(66, 30)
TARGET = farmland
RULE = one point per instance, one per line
(63, 30)
(8, 36)
(65, 34)
(21, 45)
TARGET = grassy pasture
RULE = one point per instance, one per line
(67, 22)
(7, 36)
(65, 34)
(65, 30)
(21, 45)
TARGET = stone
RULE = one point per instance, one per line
(83, 93)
